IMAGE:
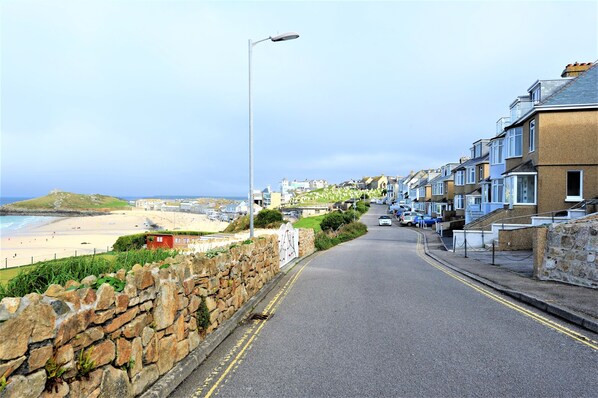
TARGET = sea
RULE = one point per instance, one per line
(10, 224)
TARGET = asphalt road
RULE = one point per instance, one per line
(374, 317)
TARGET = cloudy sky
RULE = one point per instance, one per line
(150, 97)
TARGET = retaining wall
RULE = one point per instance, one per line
(568, 253)
(127, 339)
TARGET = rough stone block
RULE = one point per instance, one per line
(145, 378)
(121, 320)
(103, 353)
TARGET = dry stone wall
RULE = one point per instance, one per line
(568, 253)
(79, 342)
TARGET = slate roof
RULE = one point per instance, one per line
(472, 162)
(581, 90)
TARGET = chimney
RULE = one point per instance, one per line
(576, 69)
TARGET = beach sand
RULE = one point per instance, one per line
(65, 236)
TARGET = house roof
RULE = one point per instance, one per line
(527, 167)
(581, 90)
(472, 162)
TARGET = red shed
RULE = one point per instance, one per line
(159, 241)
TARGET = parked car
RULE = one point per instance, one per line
(408, 217)
(426, 220)
(385, 220)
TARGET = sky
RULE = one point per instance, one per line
(142, 98)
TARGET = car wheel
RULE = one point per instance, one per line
(409, 224)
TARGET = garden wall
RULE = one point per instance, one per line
(81, 342)
(306, 242)
(568, 253)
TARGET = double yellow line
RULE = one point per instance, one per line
(536, 317)
(248, 338)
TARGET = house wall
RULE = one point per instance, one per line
(552, 185)
(567, 141)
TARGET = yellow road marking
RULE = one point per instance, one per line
(269, 310)
(538, 318)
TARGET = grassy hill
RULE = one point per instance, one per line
(333, 194)
(70, 201)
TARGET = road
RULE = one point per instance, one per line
(376, 317)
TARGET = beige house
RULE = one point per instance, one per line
(552, 150)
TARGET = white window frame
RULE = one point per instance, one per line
(470, 178)
(460, 178)
(459, 202)
(574, 198)
(514, 135)
(532, 136)
(498, 191)
(514, 186)
(480, 172)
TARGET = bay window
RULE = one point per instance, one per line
(497, 191)
(459, 202)
(471, 175)
(513, 142)
(460, 177)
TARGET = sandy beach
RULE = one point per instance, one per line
(82, 235)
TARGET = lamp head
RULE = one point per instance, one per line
(285, 36)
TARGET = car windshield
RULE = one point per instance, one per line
(383, 217)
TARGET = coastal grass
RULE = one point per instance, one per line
(310, 222)
(38, 277)
(71, 201)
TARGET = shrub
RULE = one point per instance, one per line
(240, 224)
(361, 207)
(267, 217)
(333, 221)
(347, 232)
(203, 315)
(129, 242)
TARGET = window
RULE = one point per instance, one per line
(460, 177)
(574, 185)
(471, 175)
(159, 239)
(525, 187)
(480, 173)
(498, 190)
(437, 189)
(486, 193)
(536, 95)
(459, 202)
(532, 136)
(514, 142)
(496, 153)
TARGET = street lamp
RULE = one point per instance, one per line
(282, 37)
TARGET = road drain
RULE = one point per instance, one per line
(260, 316)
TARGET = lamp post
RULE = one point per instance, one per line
(282, 37)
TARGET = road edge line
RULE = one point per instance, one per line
(552, 309)
(168, 382)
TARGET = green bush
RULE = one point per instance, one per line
(347, 232)
(129, 242)
(333, 221)
(267, 217)
(238, 225)
(361, 207)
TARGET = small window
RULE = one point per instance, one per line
(159, 239)
(574, 185)
(532, 136)
(480, 173)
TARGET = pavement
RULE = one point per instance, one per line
(512, 274)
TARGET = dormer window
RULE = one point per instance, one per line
(535, 94)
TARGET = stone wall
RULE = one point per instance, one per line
(307, 243)
(516, 239)
(568, 253)
(82, 342)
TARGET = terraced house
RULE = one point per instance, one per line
(551, 151)
(443, 190)
(469, 176)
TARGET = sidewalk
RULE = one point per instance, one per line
(512, 275)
